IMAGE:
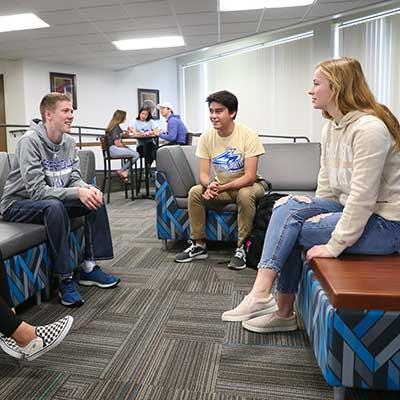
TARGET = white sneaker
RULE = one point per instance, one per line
(251, 307)
(271, 323)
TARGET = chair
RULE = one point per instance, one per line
(146, 152)
(107, 158)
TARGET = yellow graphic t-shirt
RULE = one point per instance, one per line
(227, 154)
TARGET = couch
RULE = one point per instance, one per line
(289, 167)
(25, 268)
(350, 306)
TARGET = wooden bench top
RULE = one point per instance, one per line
(360, 282)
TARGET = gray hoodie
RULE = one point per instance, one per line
(42, 169)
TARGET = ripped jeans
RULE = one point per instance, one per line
(292, 229)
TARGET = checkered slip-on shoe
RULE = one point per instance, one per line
(9, 346)
(48, 337)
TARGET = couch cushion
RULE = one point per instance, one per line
(17, 237)
(4, 170)
(87, 164)
(172, 162)
(193, 161)
(291, 166)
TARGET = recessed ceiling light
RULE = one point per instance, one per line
(149, 43)
(236, 5)
(20, 22)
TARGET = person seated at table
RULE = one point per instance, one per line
(24, 341)
(144, 126)
(116, 148)
(176, 132)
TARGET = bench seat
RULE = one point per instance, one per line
(350, 307)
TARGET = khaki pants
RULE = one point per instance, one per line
(245, 198)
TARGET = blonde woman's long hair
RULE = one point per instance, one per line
(351, 93)
(118, 117)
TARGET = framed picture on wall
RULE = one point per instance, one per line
(149, 98)
(64, 83)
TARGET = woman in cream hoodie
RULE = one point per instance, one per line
(357, 203)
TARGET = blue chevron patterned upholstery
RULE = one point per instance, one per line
(173, 222)
(353, 348)
(30, 272)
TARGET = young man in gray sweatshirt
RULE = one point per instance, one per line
(45, 186)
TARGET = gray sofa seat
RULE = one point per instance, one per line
(291, 168)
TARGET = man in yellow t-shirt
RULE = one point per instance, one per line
(231, 150)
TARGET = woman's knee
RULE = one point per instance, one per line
(292, 201)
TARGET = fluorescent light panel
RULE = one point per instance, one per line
(149, 43)
(20, 22)
(236, 5)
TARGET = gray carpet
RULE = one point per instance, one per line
(159, 335)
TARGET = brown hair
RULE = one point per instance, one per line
(50, 101)
(118, 117)
(351, 92)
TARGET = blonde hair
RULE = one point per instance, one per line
(118, 117)
(351, 92)
(50, 101)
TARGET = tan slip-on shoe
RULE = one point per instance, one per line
(271, 323)
(251, 307)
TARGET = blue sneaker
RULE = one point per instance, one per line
(68, 293)
(98, 278)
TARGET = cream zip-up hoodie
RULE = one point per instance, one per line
(360, 168)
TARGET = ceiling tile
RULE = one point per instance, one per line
(143, 33)
(325, 9)
(286, 13)
(240, 16)
(61, 17)
(204, 18)
(151, 9)
(269, 25)
(245, 27)
(103, 13)
(187, 7)
(199, 29)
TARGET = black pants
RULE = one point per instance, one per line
(9, 322)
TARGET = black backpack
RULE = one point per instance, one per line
(255, 241)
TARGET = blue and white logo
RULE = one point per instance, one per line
(228, 162)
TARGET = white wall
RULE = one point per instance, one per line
(162, 75)
(99, 92)
(96, 91)
(13, 96)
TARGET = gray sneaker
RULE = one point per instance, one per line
(193, 252)
(238, 261)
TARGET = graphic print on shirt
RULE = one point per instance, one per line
(57, 170)
(228, 162)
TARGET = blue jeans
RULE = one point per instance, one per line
(55, 215)
(116, 151)
(291, 229)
